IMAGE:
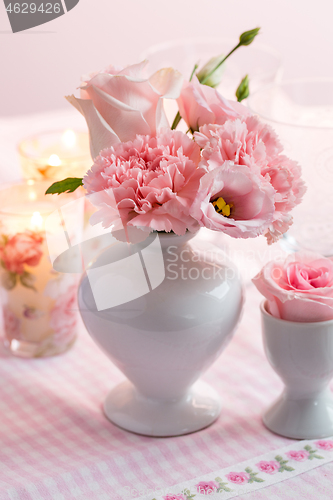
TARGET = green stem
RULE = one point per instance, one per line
(176, 121)
(220, 64)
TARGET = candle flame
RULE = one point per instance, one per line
(54, 161)
(69, 139)
(36, 221)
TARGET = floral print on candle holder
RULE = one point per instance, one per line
(17, 252)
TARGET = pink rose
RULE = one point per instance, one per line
(117, 105)
(174, 497)
(248, 196)
(247, 141)
(238, 477)
(299, 456)
(324, 445)
(150, 182)
(63, 317)
(207, 487)
(199, 105)
(271, 467)
(299, 288)
(20, 250)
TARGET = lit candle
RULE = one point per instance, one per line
(55, 155)
(39, 309)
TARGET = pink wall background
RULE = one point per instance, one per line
(40, 66)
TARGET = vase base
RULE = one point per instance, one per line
(128, 409)
(301, 418)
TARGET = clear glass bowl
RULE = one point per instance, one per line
(301, 112)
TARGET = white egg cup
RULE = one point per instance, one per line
(302, 355)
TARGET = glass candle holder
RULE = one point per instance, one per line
(262, 63)
(55, 155)
(301, 112)
(38, 303)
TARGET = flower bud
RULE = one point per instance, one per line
(248, 36)
(215, 78)
(243, 90)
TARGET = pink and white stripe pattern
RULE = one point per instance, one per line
(56, 444)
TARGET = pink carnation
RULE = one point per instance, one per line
(250, 195)
(248, 142)
(238, 477)
(150, 182)
(324, 445)
(299, 456)
(270, 467)
(20, 250)
(207, 487)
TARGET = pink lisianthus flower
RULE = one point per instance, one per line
(248, 142)
(119, 104)
(249, 196)
(150, 182)
(200, 104)
(299, 456)
(238, 477)
(269, 467)
(207, 487)
(299, 288)
(20, 250)
(326, 444)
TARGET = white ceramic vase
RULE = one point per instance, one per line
(302, 355)
(167, 337)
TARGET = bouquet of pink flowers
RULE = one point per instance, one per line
(227, 173)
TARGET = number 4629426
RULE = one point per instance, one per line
(31, 8)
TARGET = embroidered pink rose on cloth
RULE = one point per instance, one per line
(299, 456)
(238, 477)
(299, 288)
(207, 487)
(270, 467)
(174, 497)
(150, 182)
(326, 445)
(118, 104)
(20, 250)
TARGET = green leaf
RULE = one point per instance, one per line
(248, 470)
(247, 37)
(9, 280)
(308, 448)
(288, 468)
(68, 185)
(243, 90)
(279, 458)
(28, 280)
(258, 480)
(251, 480)
(318, 456)
(284, 462)
(219, 480)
